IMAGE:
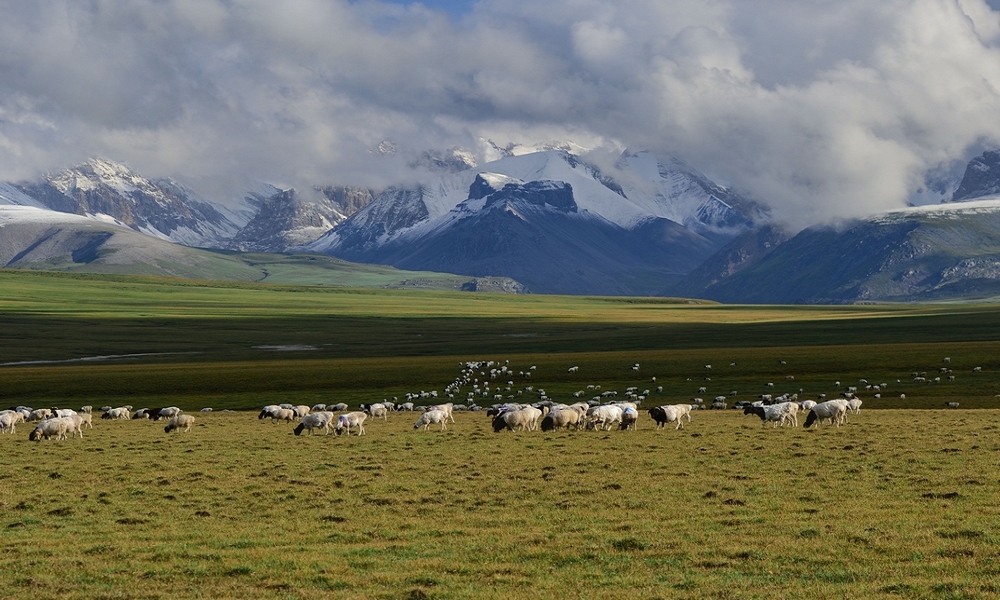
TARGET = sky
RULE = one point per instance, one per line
(823, 109)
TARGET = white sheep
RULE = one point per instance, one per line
(564, 417)
(276, 413)
(8, 420)
(835, 410)
(170, 411)
(448, 408)
(775, 413)
(630, 419)
(604, 417)
(520, 419)
(122, 413)
(40, 415)
(666, 414)
(79, 421)
(430, 417)
(58, 427)
(352, 419)
(178, 421)
(316, 420)
(376, 410)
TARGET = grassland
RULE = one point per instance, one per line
(899, 503)
(896, 504)
(228, 345)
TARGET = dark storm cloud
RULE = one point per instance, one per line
(822, 108)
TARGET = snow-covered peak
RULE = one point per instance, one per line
(10, 214)
(952, 210)
(97, 172)
(10, 195)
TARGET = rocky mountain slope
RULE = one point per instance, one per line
(925, 253)
(553, 222)
(110, 191)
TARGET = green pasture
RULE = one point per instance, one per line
(70, 339)
(895, 504)
(898, 503)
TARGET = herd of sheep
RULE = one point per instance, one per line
(484, 379)
(62, 423)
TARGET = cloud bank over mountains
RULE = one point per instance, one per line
(823, 109)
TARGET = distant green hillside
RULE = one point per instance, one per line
(69, 243)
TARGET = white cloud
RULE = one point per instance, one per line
(824, 109)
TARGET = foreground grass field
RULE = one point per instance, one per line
(896, 504)
(899, 503)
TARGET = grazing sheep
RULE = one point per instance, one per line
(341, 407)
(604, 417)
(267, 410)
(82, 420)
(376, 410)
(316, 420)
(563, 418)
(352, 419)
(8, 420)
(163, 413)
(40, 415)
(448, 408)
(407, 406)
(953, 405)
(630, 419)
(178, 421)
(122, 413)
(775, 413)
(854, 405)
(301, 411)
(87, 409)
(835, 410)
(521, 419)
(666, 414)
(430, 417)
(277, 414)
(58, 427)
(684, 410)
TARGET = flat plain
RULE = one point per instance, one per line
(900, 502)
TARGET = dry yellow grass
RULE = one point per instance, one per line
(896, 504)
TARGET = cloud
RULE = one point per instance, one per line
(824, 109)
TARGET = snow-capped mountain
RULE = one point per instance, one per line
(107, 190)
(263, 219)
(934, 252)
(552, 221)
(284, 220)
(982, 177)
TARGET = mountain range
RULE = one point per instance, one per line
(542, 220)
